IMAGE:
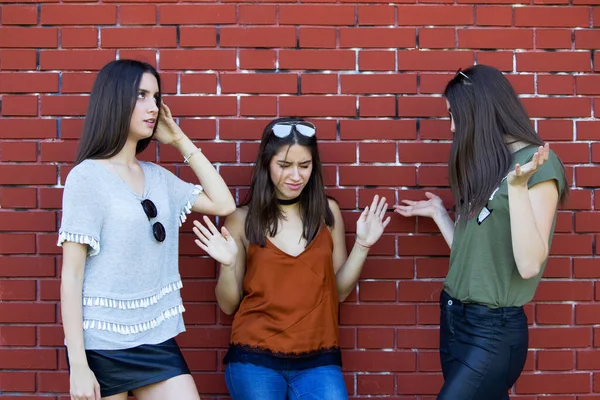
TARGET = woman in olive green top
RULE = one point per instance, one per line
(506, 185)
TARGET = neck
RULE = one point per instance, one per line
(288, 202)
(127, 154)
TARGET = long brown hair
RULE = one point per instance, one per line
(264, 211)
(485, 109)
(109, 111)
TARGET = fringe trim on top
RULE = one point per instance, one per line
(133, 329)
(132, 304)
(188, 207)
(78, 238)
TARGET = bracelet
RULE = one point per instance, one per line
(186, 159)
(362, 245)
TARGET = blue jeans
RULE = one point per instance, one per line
(483, 350)
(252, 382)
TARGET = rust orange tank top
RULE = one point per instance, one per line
(290, 304)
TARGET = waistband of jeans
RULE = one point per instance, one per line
(482, 309)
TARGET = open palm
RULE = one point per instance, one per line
(422, 208)
(219, 245)
(522, 173)
(167, 130)
(371, 224)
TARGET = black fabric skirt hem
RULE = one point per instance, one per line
(119, 371)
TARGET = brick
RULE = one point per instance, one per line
(15, 82)
(381, 106)
(17, 336)
(586, 314)
(30, 37)
(75, 60)
(79, 37)
(64, 105)
(257, 59)
(305, 14)
(324, 38)
(17, 381)
(495, 38)
(560, 130)
(424, 152)
(26, 266)
(78, 14)
(586, 176)
(26, 221)
(419, 291)
(372, 361)
(197, 59)
(197, 14)
(553, 38)
(18, 59)
(377, 129)
(17, 290)
(376, 15)
(25, 359)
(375, 384)
(377, 38)
(552, 16)
(197, 37)
(422, 246)
(558, 107)
(333, 152)
(317, 59)
(317, 106)
(587, 85)
(553, 383)
(19, 105)
(375, 338)
(572, 153)
(24, 174)
(503, 60)
(378, 83)
(556, 338)
(377, 314)
(259, 83)
(556, 84)
(199, 83)
(588, 359)
(550, 62)
(319, 83)
(494, 15)
(137, 14)
(377, 60)
(162, 36)
(20, 312)
(413, 60)
(257, 14)
(413, 383)
(422, 107)
(373, 175)
(437, 38)
(377, 152)
(258, 105)
(378, 291)
(258, 37)
(18, 151)
(555, 360)
(435, 15)
(19, 15)
(554, 314)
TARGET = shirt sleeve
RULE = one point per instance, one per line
(183, 194)
(81, 212)
(551, 170)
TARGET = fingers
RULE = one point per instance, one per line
(225, 233)
(403, 210)
(201, 245)
(386, 222)
(201, 228)
(97, 395)
(374, 203)
(210, 225)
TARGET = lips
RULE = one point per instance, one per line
(150, 121)
(293, 186)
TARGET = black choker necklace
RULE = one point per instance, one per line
(288, 202)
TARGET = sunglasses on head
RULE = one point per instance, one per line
(460, 73)
(157, 228)
(284, 129)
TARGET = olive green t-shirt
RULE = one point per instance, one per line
(482, 264)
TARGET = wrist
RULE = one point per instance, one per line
(362, 245)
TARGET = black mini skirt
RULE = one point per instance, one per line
(119, 371)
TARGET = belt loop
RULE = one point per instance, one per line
(503, 316)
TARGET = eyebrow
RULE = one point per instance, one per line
(289, 162)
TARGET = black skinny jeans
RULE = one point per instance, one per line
(483, 350)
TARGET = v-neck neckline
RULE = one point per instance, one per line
(125, 184)
(269, 241)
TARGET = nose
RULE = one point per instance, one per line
(153, 107)
(295, 173)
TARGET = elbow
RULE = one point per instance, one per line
(529, 271)
(226, 208)
(228, 309)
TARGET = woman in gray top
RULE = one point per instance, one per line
(121, 306)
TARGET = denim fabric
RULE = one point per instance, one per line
(247, 381)
(482, 350)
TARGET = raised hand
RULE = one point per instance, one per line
(521, 174)
(424, 208)
(219, 245)
(167, 131)
(370, 225)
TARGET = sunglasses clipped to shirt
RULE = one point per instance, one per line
(157, 228)
(284, 129)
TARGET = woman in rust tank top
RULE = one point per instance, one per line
(284, 268)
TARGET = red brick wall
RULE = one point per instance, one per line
(370, 76)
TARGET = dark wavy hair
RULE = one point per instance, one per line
(264, 211)
(485, 109)
(109, 111)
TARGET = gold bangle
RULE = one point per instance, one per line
(186, 159)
